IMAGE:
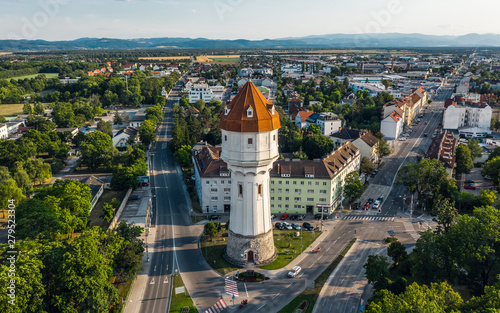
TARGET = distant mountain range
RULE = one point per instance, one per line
(388, 40)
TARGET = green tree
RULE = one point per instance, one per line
(317, 146)
(64, 115)
(489, 302)
(38, 170)
(154, 111)
(22, 178)
(377, 271)
(367, 167)
(107, 212)
(446, 215)
(439, 298)
(27, 108)
(105, 127)
(397, 251)
(96, 150)
(382, 148)
(495, 153)
(128, 261)
(183, 155)
(9, 190)
(117, 119)
(39, 108)
(353, 186)
(313, 128)
(475, 148)
(463, 159)
(210, 230)
(488, 198)
(492, 169)
(147, 132)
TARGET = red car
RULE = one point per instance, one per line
(366, 206)
(284, 216)
(470, 186)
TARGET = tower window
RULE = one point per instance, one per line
(259, 190)
(240, 190)
(274, 137)
(250, 112)
(225, 138)
(250, 141)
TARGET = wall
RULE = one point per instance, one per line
(114, 221)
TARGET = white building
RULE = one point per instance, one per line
(200, 91)
(392, 125)
(249, 126)
(328, 123)
(4, 133)
(122, 137)
(245, 72)
(475, 114)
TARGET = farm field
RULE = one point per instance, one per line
(228, 58)
(48, 75)
(11, 109)
(177, 58)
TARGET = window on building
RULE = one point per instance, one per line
(279, 198)
(259, 190)
(213, 190)
(208, 182)
(214, 198)
(323, 200)
(297, 206)
(272, 190)
(287, 190)
(286, 206)
(272, 206)
(227, 189)
(324, 183)
(297, 190)
(287, 198)
(229, 182)
(317, 183)
(279, 206)
(309, 183)
(222, 182)
(295, 182)
(250, 112)
(280, 182)
(287, 182)
(272, 182)
(310, 199)
(274, 137)
(215, 182)
(240, 190)
(272, 198)
(227, 198)
(310, 191)
(250, 141)
(302, 182)
(225, 138)
(322, 192)
(297, 198)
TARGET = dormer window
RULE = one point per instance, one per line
(250, 112)
(272, 110)
(226, 110)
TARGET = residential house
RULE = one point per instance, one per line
(245, 72)
(4, 133)
(365, 142)
(96, 182)
(200, 92)
(295, 103)
(328, 123)
(13, 126)
(443, 148)
(301, 117)
(122, 137)
(392, 125)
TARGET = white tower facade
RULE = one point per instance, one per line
(249, 127)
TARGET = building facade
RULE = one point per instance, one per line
(473, 114)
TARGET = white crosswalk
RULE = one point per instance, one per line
(369, 218)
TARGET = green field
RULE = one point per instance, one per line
(235, 60)
(11, 109)
(48, 75)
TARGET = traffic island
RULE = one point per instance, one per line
(251, 276)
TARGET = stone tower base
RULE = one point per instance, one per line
(261, 246)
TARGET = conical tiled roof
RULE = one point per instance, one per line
(262, 118)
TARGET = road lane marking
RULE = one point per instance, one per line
(152, 281)
(261, 306)
(276, 295)
(154, 269)
(289, 285)
(166, 280)
(328, 249)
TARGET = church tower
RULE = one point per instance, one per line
(249, 127)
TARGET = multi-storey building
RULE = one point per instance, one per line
(469, 114)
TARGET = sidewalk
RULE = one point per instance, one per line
(135, 212)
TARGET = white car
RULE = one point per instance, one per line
(295, 271)
(287, 226)
(402, 138)
(376, 204)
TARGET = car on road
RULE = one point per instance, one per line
(366, 206)
(470, 186)
(380, 199)
(402, 138)
(376, 204)
(136, 197)
(214, 217)
(469, 181)
(370, 200)
(425, 135)
(294, 271)
(278, 226)
(284, 217)
(307, 226)
(295, 226)
(287, 226)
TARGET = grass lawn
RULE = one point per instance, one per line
(83, 169)
(179, 301)
(289, 246)
(106, 197)
(11, 109)
(48, 75)
(213, 252)
(311, 295)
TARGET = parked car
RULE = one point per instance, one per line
(366, 206)
(470, 186)
(278, 225)
(370, 200)
(469, 181)
(402, 138)
(293, 217)
(301, 217)
(325, 217)
(317, 216)
(214, 217)
(376, 205)
(425, 135)
(287, 226)
(294, 271)
(273, 216)
(284, 217)
(380, 199)
(136, 197)
(307, 226)
(295, 226)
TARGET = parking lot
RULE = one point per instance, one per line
(479, 182)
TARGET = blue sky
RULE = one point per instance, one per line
(233, 19)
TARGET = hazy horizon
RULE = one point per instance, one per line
(56, 20)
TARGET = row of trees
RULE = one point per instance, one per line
(462, 251)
